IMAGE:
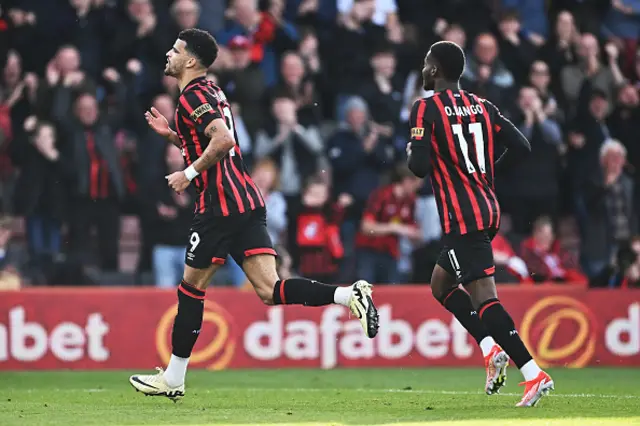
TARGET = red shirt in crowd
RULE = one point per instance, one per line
(384, 206)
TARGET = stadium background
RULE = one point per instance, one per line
(321, 92)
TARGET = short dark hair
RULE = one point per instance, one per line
(200, 44)
(451, 59)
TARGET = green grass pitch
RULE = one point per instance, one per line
(433, 397)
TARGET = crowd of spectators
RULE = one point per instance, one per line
(321, 92)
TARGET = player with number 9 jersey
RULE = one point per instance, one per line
(225, 189)
(230, 214)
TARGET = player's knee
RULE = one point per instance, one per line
(436, 291)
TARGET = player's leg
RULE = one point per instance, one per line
(477, 271)
(207, 249)
(252, 249)
(446, 290)
(261, 271)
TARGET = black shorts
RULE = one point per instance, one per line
(468, 257)
(212, 238)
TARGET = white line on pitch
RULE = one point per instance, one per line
(367, 390)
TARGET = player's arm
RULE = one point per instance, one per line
(419, 147)
(516, 144)
(209, 120)
(220, 143)
(173, 138)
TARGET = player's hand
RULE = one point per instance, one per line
(408, 149)
(178, 181)
(158, 122)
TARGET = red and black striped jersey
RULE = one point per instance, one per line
(226, 188)
(457, 132)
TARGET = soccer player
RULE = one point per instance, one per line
(230, 216)
(453, 136)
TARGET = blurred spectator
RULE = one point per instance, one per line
(87, 27)
(516, 49)
(625, 270)
(63, 70)
(358, 159)
(384, 11)
(99, 181)
(172, 222)
(622, 24)
(544, 258)
(589, 70)
(585, 138)
(389, 215)
(186, 14)
(295, 149)
(521, 196)
(212, 15)
(300, 87)
(316, 74)
(9, 277)
(588, 13)
(314, 236)
(266, 30)
(243, 82)
(20, 28)
(41, 192)
(485, 73)
(534, 19)
(140, 35)
(18, 94)
(383, 92)
(245, 139)
(540, 79)
(265, 176)
(509, 267)
(355, 33)
(561, 50)
(455, 33)
(611, 218)
(624, 123)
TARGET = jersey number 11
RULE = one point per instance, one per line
(475, 129)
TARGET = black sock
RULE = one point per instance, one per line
(458, 302)
(186, 327)
(503, 330)
(302, 291)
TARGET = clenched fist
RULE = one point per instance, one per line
(178, 181)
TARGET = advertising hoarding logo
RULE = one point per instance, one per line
(219, 343)
(559, 331)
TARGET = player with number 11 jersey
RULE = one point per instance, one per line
(454, 135)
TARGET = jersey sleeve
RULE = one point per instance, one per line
(419, 160)
(507, 134)
(200, 107)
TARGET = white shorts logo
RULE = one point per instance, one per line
(454, 263)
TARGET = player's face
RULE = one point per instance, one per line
(177, 59)
(428, 73)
